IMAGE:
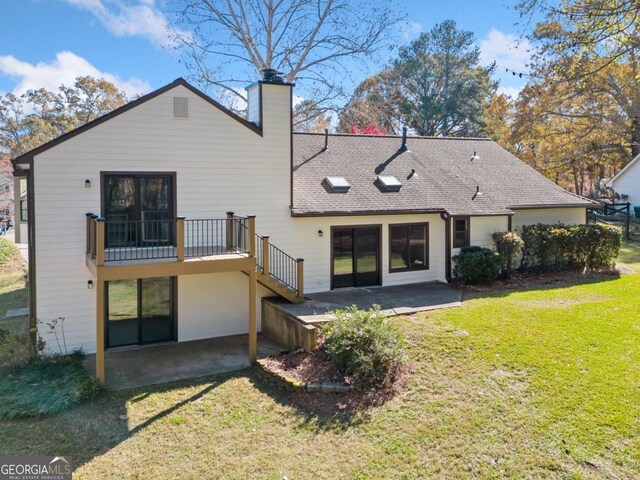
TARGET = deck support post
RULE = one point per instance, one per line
(251, 219)
(300, 280)
(253, 316)
(229, 230)
(88, 224)
(180, 239)
(100, 242)
(265, 255)
(100, 329)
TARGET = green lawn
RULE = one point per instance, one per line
(524, 384)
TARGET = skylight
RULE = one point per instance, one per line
(338, 184)
(389, 183)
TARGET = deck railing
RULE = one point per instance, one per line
(277, 264)
(109, 240)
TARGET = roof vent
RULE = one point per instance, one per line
(180, 107)
(337, 184)
(389, 183)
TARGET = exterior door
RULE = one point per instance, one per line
(140, 311)
(356, 257)
(139, 210)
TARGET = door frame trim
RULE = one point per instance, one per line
(378, 226)
(174, 183)
(174, 314)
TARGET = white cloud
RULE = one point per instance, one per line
(410, 30)
(66, 67)
(124, 19)
(507, 50)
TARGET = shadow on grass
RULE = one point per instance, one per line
(547, 282)
(322, 411)
(94, 428)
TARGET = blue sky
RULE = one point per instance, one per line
(47, 42)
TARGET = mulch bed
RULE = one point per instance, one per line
(313, 367)
(532, 279)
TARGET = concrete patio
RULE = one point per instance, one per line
(153, 364)
(294, 325)
(393, 300)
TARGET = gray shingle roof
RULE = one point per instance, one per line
(445, 178)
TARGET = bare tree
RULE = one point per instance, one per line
(318, 42)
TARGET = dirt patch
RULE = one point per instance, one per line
(305, 367)
(532, 279)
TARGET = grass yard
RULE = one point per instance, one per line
(523, 384)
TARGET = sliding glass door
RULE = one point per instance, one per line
(356, 256)
(140, 311)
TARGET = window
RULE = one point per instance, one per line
(461, 232)
(24, 215)
(408, 247)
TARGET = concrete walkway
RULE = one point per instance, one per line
(393, 300)
(153, 364)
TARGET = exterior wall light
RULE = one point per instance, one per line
(87, 183)
(320, 233)
(90, 284)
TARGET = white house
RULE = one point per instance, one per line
(132, 240)
(627, 182)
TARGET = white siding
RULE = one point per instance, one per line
(481, 230)
(316, 250)
(214, 305)
(629, 183)
(567, 216)
(220, 165)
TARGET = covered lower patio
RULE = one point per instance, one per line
(153, 364)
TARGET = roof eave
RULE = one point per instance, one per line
(29, 156)
(352, 213)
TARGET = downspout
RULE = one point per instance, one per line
(447, 244)
(31, 235)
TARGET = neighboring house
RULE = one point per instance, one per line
(6, 197)
(160, 259)
(627, 182)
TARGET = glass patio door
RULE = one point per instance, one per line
(140, 311)
(139, 210)
(356, 257)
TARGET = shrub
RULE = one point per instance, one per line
(477, 265)
(509, 246)
(364, 345)
(45, 385)
(7, 251)
(561, 247)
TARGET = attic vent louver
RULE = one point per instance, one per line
(389, 183)
(180, 107)
(337, 184)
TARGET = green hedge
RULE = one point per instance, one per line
(562, 247)
(509, 246)
(477, 265)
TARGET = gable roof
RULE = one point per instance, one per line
(445, 178)
(621, 172)
(28, 156)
